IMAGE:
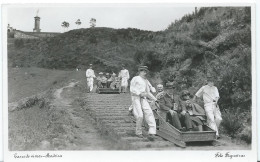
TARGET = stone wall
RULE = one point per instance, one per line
(20, 34)
(43, 34)
(30, 35)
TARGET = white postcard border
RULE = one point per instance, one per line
(136, 156)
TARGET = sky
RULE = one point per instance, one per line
(154, 17)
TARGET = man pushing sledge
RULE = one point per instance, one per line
(140, 89)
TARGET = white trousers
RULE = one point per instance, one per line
(142, 109)
(90, 83)
(213, 116)
(124, 82)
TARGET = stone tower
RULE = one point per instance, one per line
(37, 23)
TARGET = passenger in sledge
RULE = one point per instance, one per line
(189, 109)
(109, 80)
(116, 83)
(101, 81)
(180, 112)
(167, 105)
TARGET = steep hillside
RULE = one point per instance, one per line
(214, 40)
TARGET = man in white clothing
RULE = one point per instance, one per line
(124, 75)
(140, 89)
(210, 96)
(90, 78)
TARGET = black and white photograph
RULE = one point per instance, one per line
(130, 77)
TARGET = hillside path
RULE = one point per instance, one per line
(86, 136)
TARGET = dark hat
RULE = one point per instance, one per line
(169, 85)
(210, 78)
(185, 92)
(143, 68)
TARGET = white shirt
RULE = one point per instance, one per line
(90, 73)
(139, 85)
(124, 74)
(209, 93)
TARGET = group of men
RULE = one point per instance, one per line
(105, 80)
(181, 111)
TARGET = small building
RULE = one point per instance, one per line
(10, 31)
(13, 33)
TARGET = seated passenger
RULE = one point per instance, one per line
(111, 79)
(102, 81)
(188, 108)
(116, 83)
(108, 82)
(99, 85)
(167, 106)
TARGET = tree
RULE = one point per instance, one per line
(65, 25)
(78, 22)
(92, 22)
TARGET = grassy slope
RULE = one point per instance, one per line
(25, 82)
(27, 128)
(34, 128)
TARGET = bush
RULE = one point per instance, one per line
(18, 43)
(206, 30)
(167, 74)
(93, 39)
(238, 38)
(246, 134)
(201, 12)
(191, 51)
(247, 15)
(113, 38)
(235, 79)
(233, 121)
(148, 58)
(231, 124)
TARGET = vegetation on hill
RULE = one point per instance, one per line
(106, 48)
(214, 40)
